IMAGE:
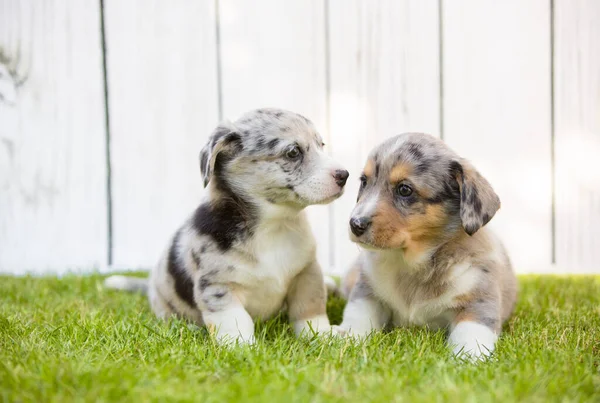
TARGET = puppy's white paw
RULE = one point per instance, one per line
(339, 331)
(472, 341)
(318, 324)
(230, 327)
(231, 339)
(349, 332)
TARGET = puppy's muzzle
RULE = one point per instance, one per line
(341, 176)
(359, 225)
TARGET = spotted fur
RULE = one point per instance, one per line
(427, 258)
(247, 251)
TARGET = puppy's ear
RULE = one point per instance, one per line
(224, 139)
(478, 201)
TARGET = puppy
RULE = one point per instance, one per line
(426, 257)
(248, 251)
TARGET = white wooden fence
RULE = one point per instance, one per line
(104, 106)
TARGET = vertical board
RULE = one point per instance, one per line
(577, 134)
(273, 55)
(52, 137)
(163, 104)
(385, 80)
(497, 113)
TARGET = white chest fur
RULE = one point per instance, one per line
(278, 251)
(412, 303)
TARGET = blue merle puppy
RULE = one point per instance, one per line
(248, 251)
(427, 257)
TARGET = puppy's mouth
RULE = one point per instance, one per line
(368, 244)
(287, 195)
(365, 245)
(329, 199)
(309, 201)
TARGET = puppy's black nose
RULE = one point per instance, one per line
(341, 176)
(359, 225)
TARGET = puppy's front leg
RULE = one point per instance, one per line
(475, 328)
(364, 313)
(306, 300)
(223, 312)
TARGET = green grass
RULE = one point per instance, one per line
(70, 339)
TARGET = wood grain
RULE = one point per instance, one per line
(484, 74)
(52, 143)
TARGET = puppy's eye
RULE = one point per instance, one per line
(293, 153)
(403, 190)
(363, 181)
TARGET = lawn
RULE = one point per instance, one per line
(70, 339)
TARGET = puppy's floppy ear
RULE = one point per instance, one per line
(478, 201)
(224, 139)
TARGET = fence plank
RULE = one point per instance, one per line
(163, 104)
(52, 144)
(577, 134)
(384, 81)
(496, 73)
(273, 54)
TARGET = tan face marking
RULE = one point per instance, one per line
(400, 172)
(413, 233)
(369, 168)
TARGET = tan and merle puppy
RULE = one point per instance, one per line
(426, 257)
(248, 251)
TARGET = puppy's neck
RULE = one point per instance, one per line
(220, 194)
(428, 258)
(267, 213)
(400, 260)
(279, 214)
